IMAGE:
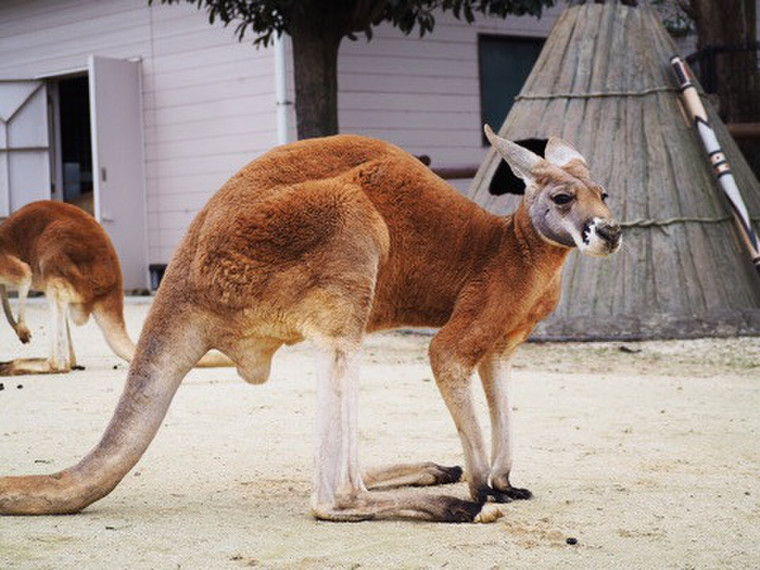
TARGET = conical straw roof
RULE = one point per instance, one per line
(603, 82)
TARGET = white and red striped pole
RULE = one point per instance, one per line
(718, 160)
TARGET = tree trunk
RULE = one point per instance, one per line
(728, 26)
(315, 65)
(725, 27)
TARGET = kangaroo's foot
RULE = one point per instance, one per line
(373, 506)
(23, 366)
(506, 495)
(411, 475)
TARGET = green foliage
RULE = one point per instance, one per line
(265, 18)
(673, 17)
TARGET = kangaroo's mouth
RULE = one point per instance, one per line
(586, 234)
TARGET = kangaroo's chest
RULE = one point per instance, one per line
(543, 305)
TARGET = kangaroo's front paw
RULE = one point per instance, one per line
(24, 334)
(512, 494)
(506, 495)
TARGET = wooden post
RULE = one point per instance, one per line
(720, 164)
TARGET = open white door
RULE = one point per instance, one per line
(118, 164)
(24, 145)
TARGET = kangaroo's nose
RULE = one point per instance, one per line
(609, 231)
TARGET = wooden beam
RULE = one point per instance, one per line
(456, 172)
(744, 130)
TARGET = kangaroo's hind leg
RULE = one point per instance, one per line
(17, 273)
(411, 475)
(72, 356)
(339, 491)
(60, 350)
(62, 358)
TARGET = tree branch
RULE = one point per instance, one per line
(366, 14)
(687, 8)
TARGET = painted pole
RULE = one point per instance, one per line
(718, 160)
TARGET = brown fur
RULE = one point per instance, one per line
(330, 239)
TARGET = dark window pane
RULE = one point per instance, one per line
(505, 63)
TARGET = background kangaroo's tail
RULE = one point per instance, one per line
(170, 345)
(109, 314)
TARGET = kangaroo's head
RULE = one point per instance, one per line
(566, 207)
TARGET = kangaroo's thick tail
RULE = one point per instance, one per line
(109, 314)
(171, 343)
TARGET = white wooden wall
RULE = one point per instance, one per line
(208, 101)
(424, 93)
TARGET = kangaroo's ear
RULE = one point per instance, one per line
(521, 160)
(559, 152)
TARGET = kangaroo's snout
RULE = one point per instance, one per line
(611, 232)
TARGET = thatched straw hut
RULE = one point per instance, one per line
(603, 82)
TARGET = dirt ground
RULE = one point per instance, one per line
(646, 453)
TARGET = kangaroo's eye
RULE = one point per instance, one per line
(605, 196)
(561, 199)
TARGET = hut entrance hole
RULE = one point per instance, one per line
(503, 181)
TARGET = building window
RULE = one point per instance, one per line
(505, 63)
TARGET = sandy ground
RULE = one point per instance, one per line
(646, 453)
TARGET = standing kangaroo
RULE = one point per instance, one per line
(329, 239)
(59, 249)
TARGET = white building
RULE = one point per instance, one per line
(151, 108)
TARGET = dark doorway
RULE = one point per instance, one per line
(76, 144)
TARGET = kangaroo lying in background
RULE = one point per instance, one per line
(60, 249)
(329, 239)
